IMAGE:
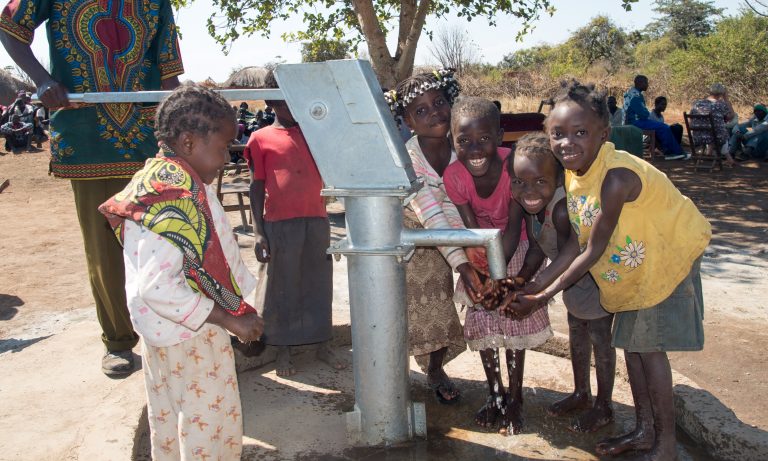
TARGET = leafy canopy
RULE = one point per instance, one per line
(684, 19)
(338, 19)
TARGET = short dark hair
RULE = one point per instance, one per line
(534, 146)
(640, 78)
(477, 108)
(585, 95)
(659, 99)
(191, 108)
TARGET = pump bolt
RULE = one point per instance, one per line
(318, 111)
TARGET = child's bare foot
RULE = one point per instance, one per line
(489, 413)
(512, 419)
(326, 355)
(635, 440)
(284, 366)
(445, 391)
(593, 419)
(575, 401)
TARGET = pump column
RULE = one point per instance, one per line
(383, 412)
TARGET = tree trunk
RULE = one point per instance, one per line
(382, 61)
(392, 69)
(405, 63)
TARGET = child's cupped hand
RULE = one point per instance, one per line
(530, 288)
(518, 305)
(474, 286)
(248, 327)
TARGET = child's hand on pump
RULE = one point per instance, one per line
(478, 259)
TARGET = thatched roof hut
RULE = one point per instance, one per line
(247, 77)
(10, 86)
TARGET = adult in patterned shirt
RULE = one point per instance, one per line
(105, 46)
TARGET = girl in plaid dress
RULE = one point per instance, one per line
(478, 184)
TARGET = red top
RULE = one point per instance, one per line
(491, 212)
(280, 157)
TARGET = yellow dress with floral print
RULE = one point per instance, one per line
(657, 238)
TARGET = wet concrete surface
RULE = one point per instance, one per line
(302, 417)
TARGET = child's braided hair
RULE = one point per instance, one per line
(191, 108)
(534, 146)
(585, 95)
(407, 90)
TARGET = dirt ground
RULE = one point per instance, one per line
(44, 281)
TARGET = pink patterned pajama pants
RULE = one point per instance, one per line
(193, 399)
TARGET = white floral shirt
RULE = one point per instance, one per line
(164, 309)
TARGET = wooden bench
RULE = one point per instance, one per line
(233, 181)
(515, 126)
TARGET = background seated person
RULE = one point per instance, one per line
(615, 113)
(40, 124)
(657, 115)
(17, 134)
(636, 113)
(717, 105)
(751, 136)
(22, 108)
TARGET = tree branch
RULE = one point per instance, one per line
(407, 16)
(405, 63)
(761, 13)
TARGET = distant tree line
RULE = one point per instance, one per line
(689, 46)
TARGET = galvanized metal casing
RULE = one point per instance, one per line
(335, 97)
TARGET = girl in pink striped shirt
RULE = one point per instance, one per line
(435, 332)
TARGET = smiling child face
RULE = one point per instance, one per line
(533, 181)
(475, 140)
(576, 134)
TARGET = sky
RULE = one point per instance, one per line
(204, 58)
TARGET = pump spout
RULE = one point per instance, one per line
(489, 238)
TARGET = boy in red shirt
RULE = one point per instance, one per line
(292, 234)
